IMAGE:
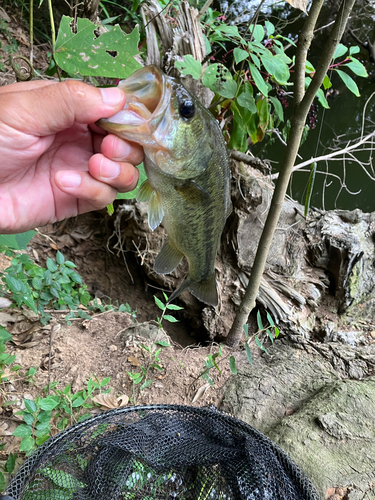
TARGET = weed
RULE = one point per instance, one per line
(212, 360)
(153, 362)
(165, 307)
(45, 416)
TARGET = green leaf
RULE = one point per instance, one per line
(246, 100)
(173, 307)
(110, 54)
(258, 33)
(37, 283)
(51, 265)
(49, 403)
(62, 479)
(349, 82)
(189, 66)
(23, 431)
(226, 88)
(278, 108)
(354, 50)
(28, 418)
(259, 321)
(4, 335)
(16, 241)
(10, 463)
(327, 83)
(340, 51)
(70, 264)
(248, 353)
(163, 343)
(132, 194)
(78, 402)
(277, 331)
(229, 30)
(258, 79)
(30, 405)
(232, 365)
(357, 67)
(269, 27)
(246, 330)
(159, 303)
(13, 284)
(309, 67)
(321, 98)
(269, 335)
(276, 67)
(169, 318)
(255, 60)
(259, 344)
(270, 319)
(310, 187)
(105, 381)
(60, 258)
(2, 482)
(240, 55)
(145, 385)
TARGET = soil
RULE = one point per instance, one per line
(108, 345)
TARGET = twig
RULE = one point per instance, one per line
(330, 156)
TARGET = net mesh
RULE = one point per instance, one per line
(160, 452)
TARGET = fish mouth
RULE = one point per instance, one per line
(148, 94)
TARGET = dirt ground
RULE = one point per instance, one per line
(109, 344)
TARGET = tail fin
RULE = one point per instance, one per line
(205, 291)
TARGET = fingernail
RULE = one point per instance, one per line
(121, 149)
(108, 169)
(69, 179)
(112, 96)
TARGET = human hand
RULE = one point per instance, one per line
(53, 165)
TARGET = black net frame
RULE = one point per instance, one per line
(161, 452)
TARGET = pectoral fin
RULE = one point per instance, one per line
(145, 191)
(205, 291)
(155, 211)
(168, 259)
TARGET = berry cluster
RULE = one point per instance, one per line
(282, 96)
(312, 119)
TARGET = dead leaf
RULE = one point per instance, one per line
(201, 392)
(44, 363)
(110, 401)
(6, 373)
(4, 302)
(6, 318)
(24, 339)
(299, 4)
(134, 361)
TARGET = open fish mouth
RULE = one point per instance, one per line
(148, 95)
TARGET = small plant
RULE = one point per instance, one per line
(153, 350)
(45, 416)
(99, 306)
(58, 287)
(212, 360)
(165, 307)
(6, 359)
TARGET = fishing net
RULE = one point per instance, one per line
(160, 452)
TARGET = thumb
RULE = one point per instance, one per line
(53, 108)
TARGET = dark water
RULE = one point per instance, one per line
(339, 124)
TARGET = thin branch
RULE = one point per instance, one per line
(330, 156)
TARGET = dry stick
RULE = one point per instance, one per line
(302, 104)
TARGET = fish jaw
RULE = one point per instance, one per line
(148, 95)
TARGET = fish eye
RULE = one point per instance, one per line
(187, 109)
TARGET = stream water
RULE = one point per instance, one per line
(337, 125)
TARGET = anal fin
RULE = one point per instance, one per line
(168, 259)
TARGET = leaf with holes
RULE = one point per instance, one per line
(110, 54)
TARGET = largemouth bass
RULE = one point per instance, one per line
(187, 166)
